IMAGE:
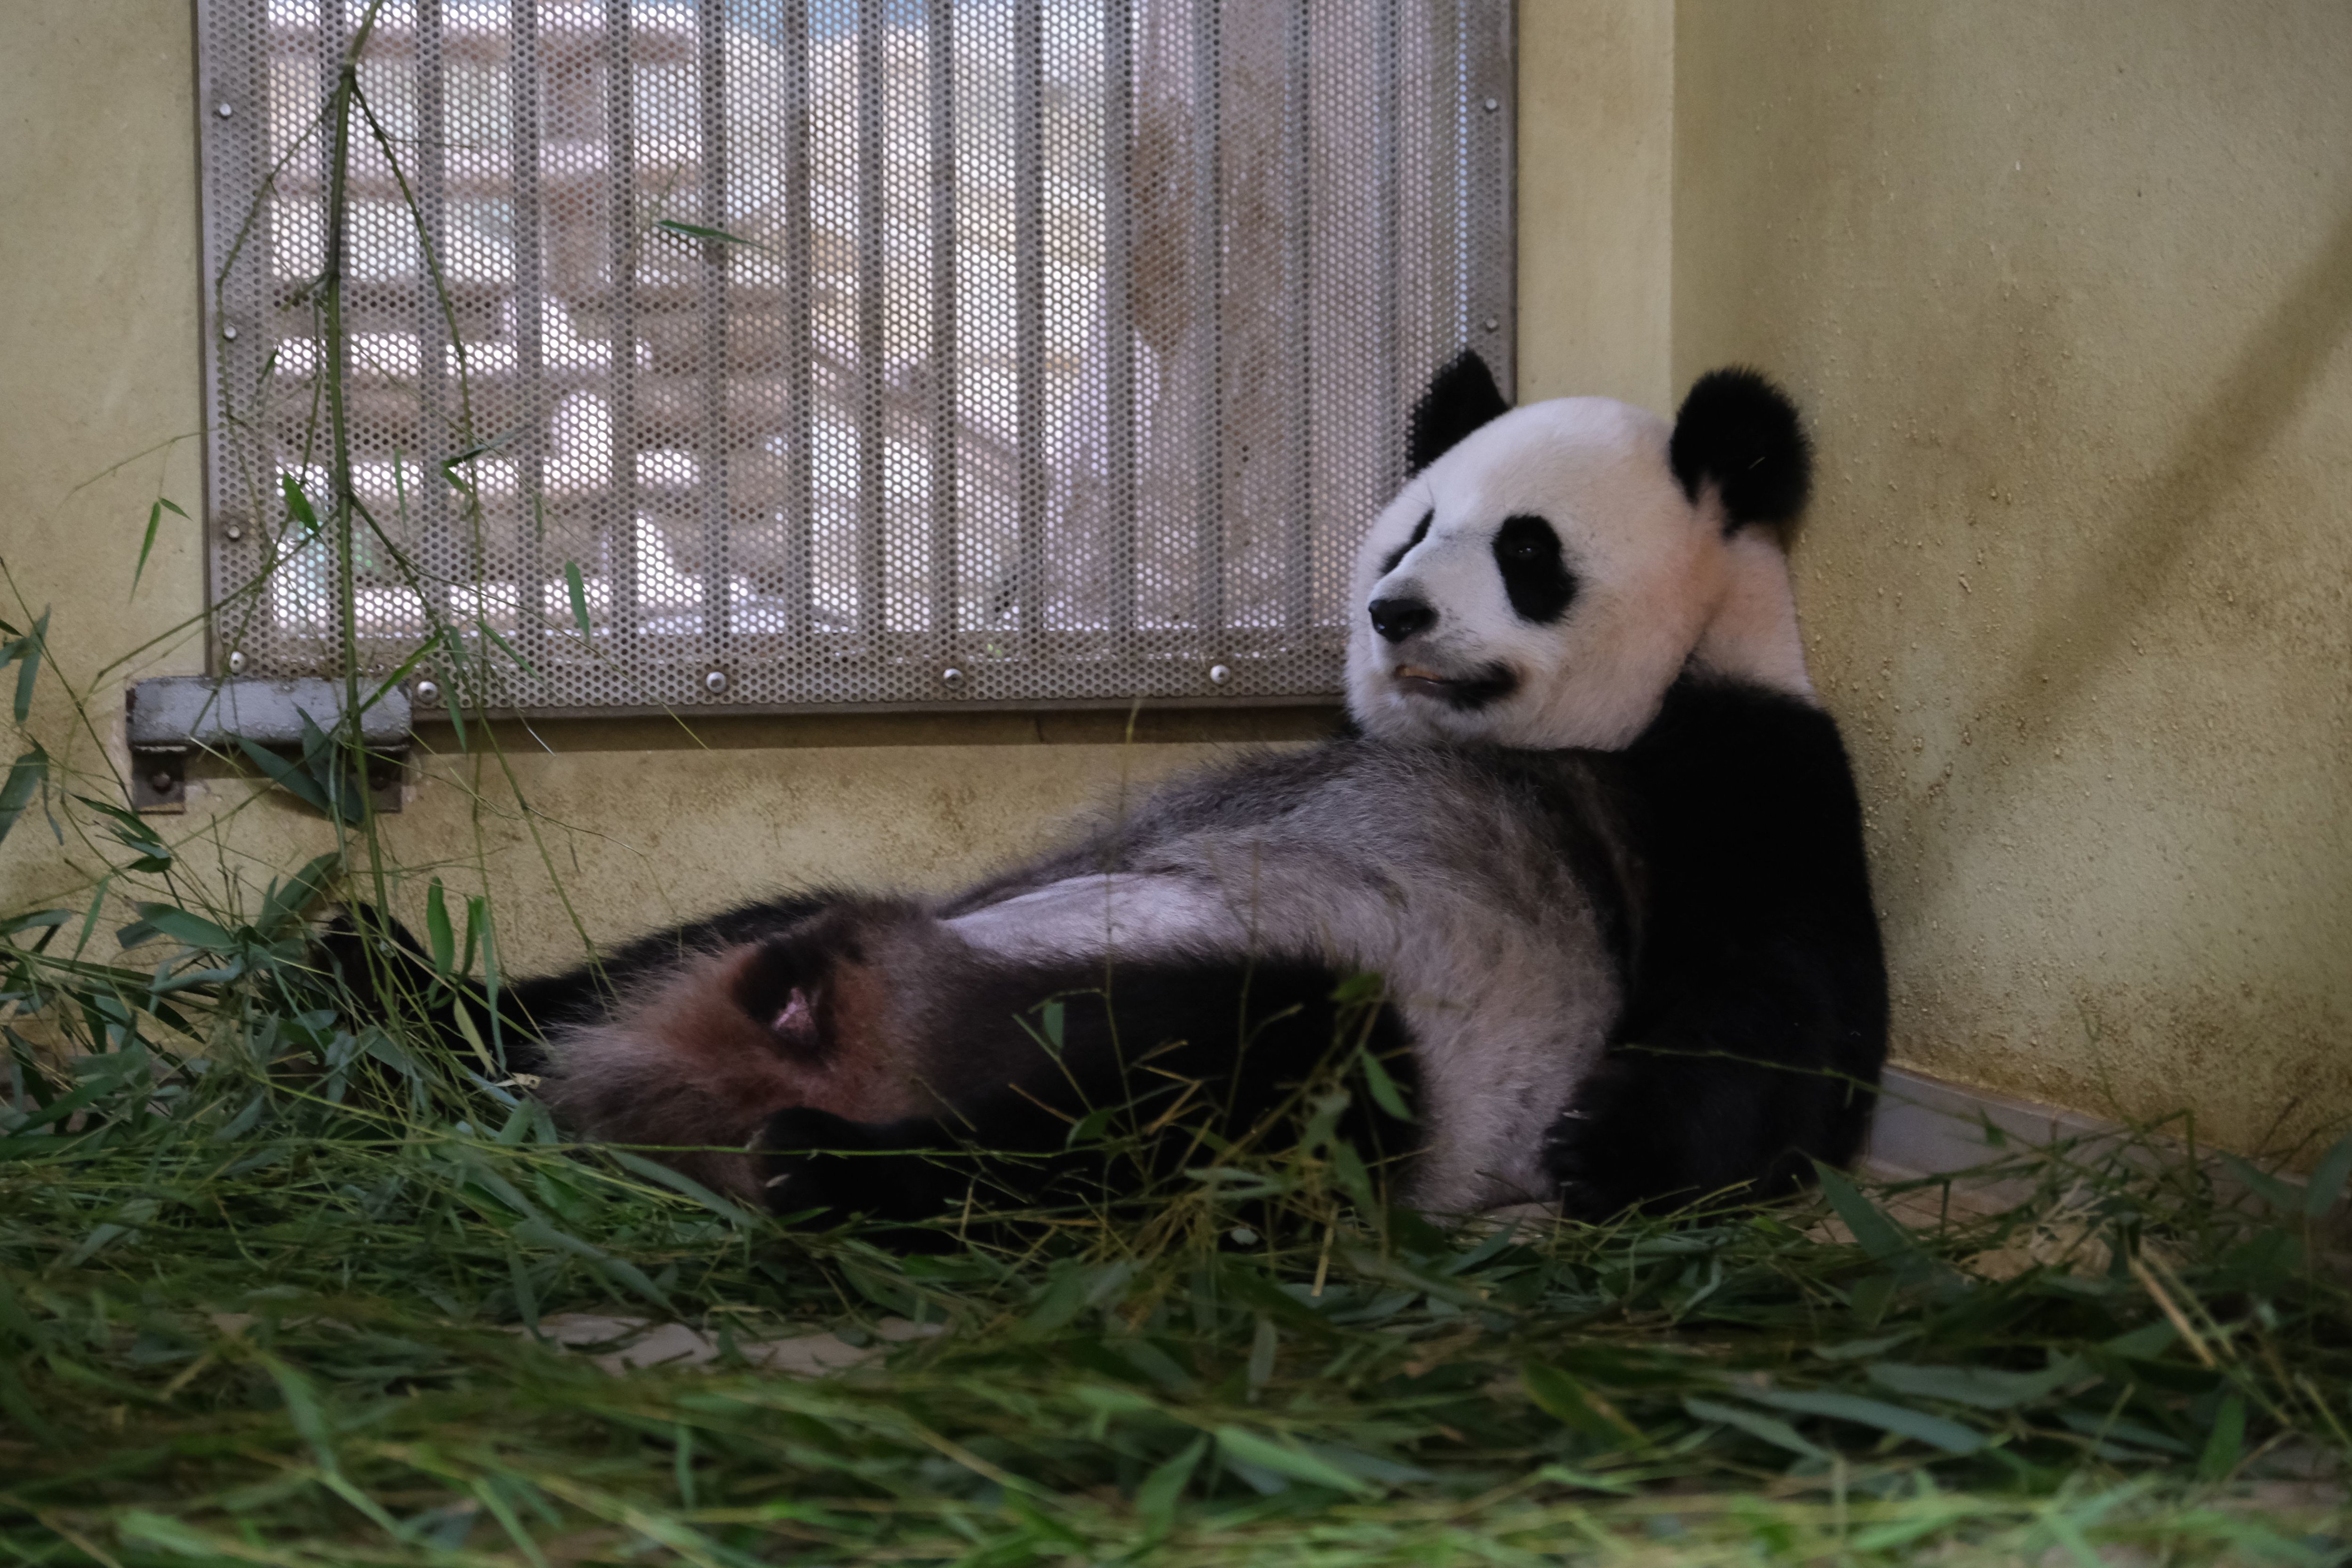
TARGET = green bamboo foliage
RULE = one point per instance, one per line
(287, 1279)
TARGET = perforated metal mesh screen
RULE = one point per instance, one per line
(871, 351)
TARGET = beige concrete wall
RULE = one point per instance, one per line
(2065, 287)
(639, 823)
(1596, 198)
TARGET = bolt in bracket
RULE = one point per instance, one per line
(173, 715)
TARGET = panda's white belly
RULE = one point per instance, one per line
(1490, 948)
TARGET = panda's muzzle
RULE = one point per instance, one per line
(1466, 692)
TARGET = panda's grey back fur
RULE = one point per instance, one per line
(1479, 883)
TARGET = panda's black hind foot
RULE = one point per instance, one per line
(812, 1163)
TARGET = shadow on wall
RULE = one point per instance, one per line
(2131, 567)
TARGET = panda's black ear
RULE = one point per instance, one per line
(1460, 398)
(1740, 430)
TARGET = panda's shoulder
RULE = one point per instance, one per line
(1743, 798)
(1718, 734)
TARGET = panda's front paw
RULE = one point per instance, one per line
(1593, 1167)
(809, 1160)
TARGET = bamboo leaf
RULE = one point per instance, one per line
(1572, 1404)
(1986, 1388)
(684, 230)
(477, 921)
(450, 464)
(2226, 1442)
(491, 631)
(1879, 1235)
(27, 775)
(437, 931)
(1771, 1428)
(32, 644)
(288, 899)
(1250, 1449)
(189, 929)
(620, 1270)
(686, 1186)
(463, 1020)
(15, 923)
(1383, 1088)
(2327, 1178)
(579, 596)
(154, 517)
(2279, 1195)
(288, 776)
(1156, 1498)
(1264, 1344)
(131, 831)
(1933, 1430)
(297, 505)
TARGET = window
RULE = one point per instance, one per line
(797, 352)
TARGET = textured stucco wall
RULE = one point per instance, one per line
(2065, 287)
(642, 823)
(1596, 199)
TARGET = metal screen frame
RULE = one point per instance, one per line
(1171, 522)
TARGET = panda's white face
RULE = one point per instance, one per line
(1538, 586)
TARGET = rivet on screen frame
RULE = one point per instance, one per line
(1493, 104)
(233, 532)
(714, 682)
(951, 678)
(236, 662)
(226, 110)
(1493, 322)
(229, 332)
(428, 692)
(1219, 675)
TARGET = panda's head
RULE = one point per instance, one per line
(1547, 572)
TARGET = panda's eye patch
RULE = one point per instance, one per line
(1538, 581)
(1420, 532)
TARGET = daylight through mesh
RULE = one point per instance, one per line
(840, 351)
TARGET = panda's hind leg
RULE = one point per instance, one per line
(697, 1056)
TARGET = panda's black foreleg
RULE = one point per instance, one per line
(1659, 1133)
(1162, 1067)
(898, 1172)
(1724, 1099)
(387, 971)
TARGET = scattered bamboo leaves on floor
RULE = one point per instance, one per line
(307, 1298)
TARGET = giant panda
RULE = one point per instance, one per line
(1589, 824)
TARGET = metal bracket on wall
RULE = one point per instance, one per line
(169, 717)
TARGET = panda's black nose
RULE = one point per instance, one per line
(1397, 619)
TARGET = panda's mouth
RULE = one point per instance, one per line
(1492, 684)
